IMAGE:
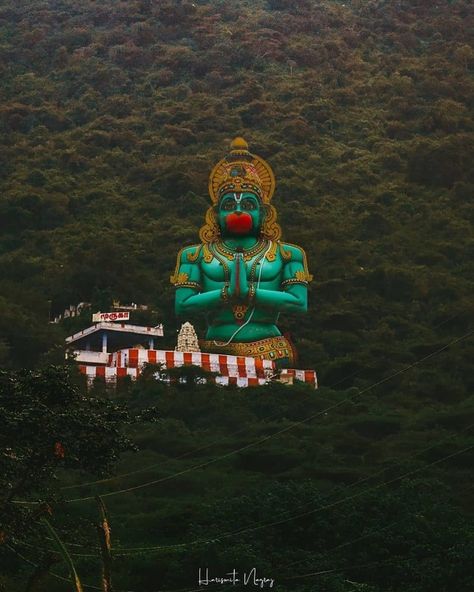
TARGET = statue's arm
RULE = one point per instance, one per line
(293, 294)
(187, 280)
(188, 300)
(293, 299)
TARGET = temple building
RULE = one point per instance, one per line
(110, 351)
(187, 339)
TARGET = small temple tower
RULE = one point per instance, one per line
(187, 339)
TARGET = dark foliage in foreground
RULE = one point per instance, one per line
(50, 426)
(331, 481)
(112, 115)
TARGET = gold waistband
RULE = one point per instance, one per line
(272, 348)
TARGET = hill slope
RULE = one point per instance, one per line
(113, 114)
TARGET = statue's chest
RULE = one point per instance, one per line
(262, 269)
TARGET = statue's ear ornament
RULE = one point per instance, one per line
(270, 227)
(210, 232)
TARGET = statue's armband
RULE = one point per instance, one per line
(295, 270)
(187, 273)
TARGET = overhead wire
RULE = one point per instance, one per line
(312, 574)
(305, 514)
(206, 446)
(54, 574)
(359, 494)
(90, 586)
(300, 576)
(351, 542)
(349, 567)
(252, 529)
(339, 569)
(180, 456)
(303, 421)
(141, 550)
(362, 537)
(277, 433)
(199, 449)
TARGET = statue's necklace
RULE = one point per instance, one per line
(257, 249)
(225, 267)
(248, 254)
(240, 310)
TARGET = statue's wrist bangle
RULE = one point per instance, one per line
(252, 293)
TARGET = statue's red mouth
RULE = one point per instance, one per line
(239, 222)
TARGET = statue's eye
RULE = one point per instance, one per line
(228, 205)
(248, 204)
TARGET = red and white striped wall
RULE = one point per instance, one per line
(237, 366)
(110, 375)
(240, 381)
(241, 371)
(107, 373)
(308, 376)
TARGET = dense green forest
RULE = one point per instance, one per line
(112, 115)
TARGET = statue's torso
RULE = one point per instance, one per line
(273, 279)
(223, 323)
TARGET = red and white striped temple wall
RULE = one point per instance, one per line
(231, 370)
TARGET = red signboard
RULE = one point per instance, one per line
(98, 317)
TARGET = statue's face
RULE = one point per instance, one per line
(240, 214)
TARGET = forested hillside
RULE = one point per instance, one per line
(112, 115)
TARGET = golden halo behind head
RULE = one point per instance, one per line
(241, 171)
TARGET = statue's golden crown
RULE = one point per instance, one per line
(241, 171)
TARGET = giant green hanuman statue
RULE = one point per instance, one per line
(241, 274)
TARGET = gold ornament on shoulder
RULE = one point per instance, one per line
(192, 257)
